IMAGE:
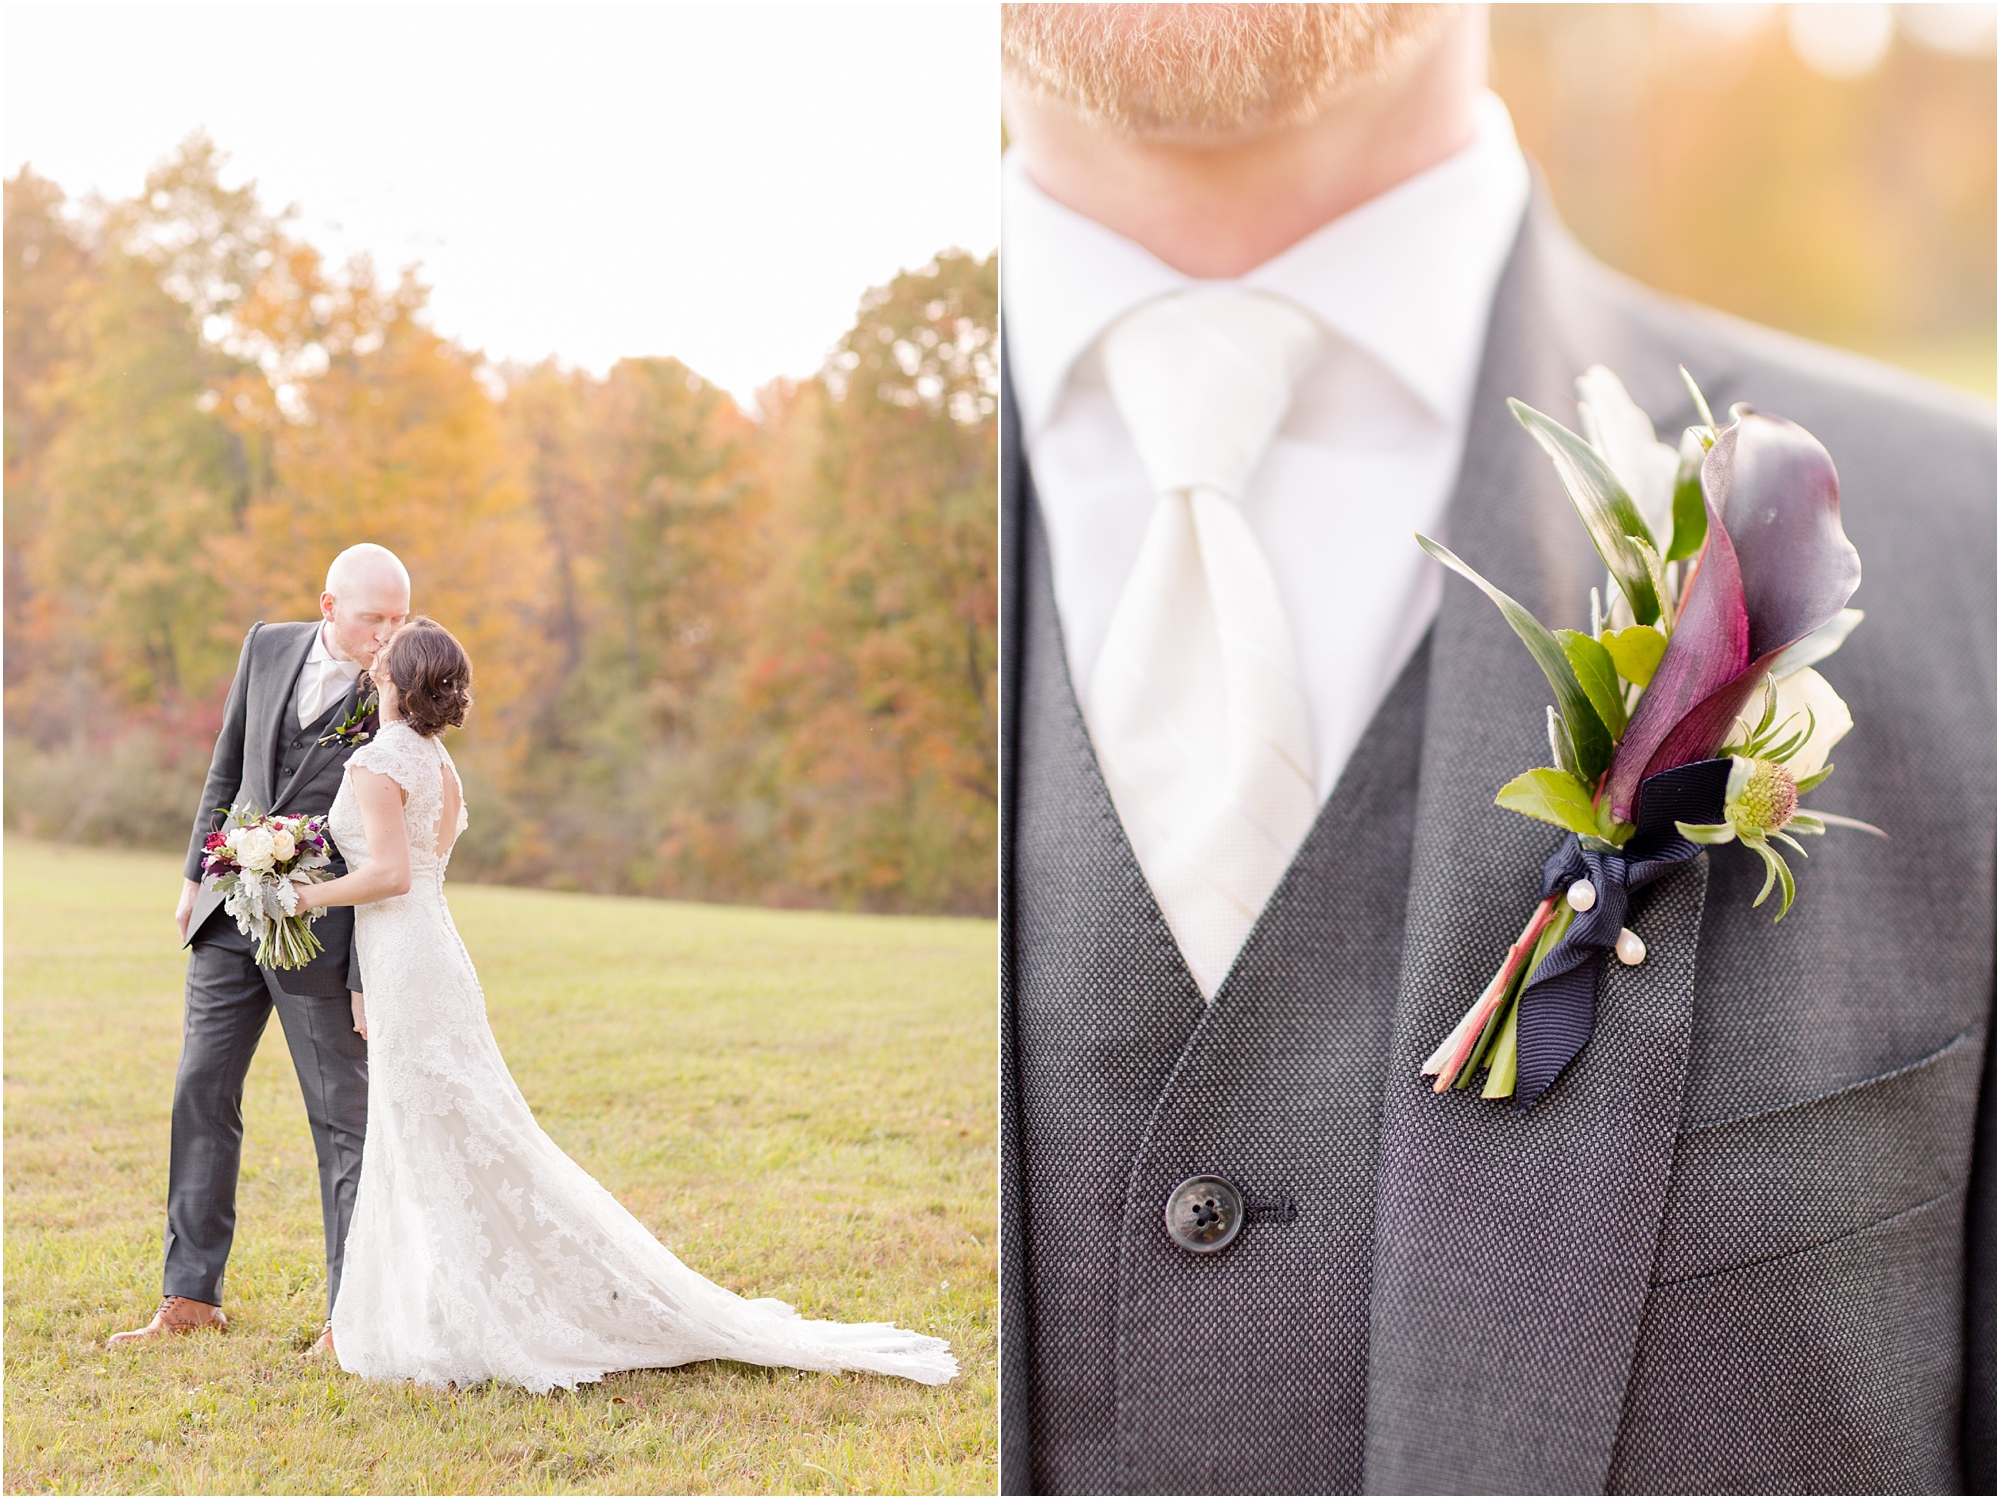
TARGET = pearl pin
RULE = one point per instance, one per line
(1582, 896)
(1631, 951)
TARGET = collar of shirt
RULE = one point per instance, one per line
(1408, 277)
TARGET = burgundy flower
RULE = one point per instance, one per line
(1776, 567)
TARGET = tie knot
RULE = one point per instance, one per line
(1203, 380)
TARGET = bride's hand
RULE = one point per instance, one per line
(360, 1014)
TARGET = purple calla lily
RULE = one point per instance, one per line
(1776, 567)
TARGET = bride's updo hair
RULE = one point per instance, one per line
(432, 673)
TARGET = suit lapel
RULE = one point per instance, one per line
(1016, 1469)
(1513, 1251)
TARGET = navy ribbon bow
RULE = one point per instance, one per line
(1559, 1009)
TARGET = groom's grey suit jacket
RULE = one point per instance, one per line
(1745, 1243)
(264, 762)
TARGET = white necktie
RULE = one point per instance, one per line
(1195, 705)
(326, 682)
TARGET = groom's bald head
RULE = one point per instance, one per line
(366, 565)
(1197, 74)
(367, 596)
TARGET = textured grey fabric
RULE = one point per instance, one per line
(229, 1003)
(1835, 1370)
(1777, 1183)
(1130, 1084)
(1730, 1248)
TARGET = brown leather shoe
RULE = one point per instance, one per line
(176, 1315)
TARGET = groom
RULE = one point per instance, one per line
(279, 751)
(1277, 268)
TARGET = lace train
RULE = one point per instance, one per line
(477, 1249)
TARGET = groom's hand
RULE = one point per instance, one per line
(185, 910)
(360, 1014)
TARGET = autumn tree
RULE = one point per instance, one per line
(872, 680)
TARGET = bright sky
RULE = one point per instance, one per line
(716, 182)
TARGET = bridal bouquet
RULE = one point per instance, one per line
(255, 862)
(1688, 715)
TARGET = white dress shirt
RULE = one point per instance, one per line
(1403, 286)
(323, 680)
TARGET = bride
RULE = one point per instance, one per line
(478, 1250)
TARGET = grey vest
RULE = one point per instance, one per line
(1130, 1084)
(296, 745)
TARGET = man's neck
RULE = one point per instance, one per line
(1221, 210)
(331, 646)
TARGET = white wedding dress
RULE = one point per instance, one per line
(477, 1249)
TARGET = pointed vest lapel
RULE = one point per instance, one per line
(276, 718)
(1513, 1251)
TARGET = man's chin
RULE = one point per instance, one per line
(1208, 76)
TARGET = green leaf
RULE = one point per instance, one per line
(1657, 571)
(1817, 778)
(1635, 652)
(1562, 749)
(1607, 510)
(1700, 400)
(1550, 796)
(1598, 677)
(1776, 871)
(1707, 832)
(1690, 510)
(1586, 729)
(1835, 820)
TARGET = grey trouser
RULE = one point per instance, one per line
(229, 1001)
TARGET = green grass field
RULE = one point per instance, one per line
(799, 1105)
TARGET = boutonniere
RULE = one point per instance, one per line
(359, 726)
(1689, 715)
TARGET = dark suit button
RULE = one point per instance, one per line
(1204, 1214)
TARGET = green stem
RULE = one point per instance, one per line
(1504, 1062)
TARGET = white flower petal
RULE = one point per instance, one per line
(1623, 434)
(1802, 692)
(1817, 646)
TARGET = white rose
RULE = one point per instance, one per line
(1804, 697)
(1830, 718)
(283, 844)
(254, 849)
